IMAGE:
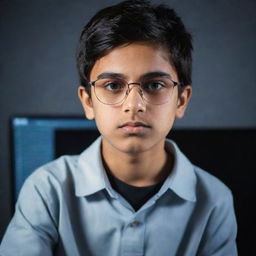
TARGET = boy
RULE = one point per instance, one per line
(132, 192)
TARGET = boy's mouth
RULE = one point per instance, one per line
(134, 127)
(134, 124)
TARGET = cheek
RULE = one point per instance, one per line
(165, 122)
(105, 119)
(165, 118)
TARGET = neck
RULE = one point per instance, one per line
(142, 169)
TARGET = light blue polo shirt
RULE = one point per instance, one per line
(68, 207)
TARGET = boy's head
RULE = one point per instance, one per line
(137, 58)
(130, 22)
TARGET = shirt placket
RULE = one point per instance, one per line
(133, 238)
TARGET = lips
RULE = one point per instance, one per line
(134, 124)
(134, 128)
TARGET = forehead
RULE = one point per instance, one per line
(133, 61)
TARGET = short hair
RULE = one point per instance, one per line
(130, 22)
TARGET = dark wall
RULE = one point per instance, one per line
(38, 75)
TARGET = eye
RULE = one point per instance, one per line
(114, 85)
(154, 85)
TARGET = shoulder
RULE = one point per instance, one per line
(65, 176)
(215, 202)
(59, 170)
(47, 189)
(52, 180)
(211, 189)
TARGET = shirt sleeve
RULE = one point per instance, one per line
(32, 230)
(220, 236)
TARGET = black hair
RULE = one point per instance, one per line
(135, 21)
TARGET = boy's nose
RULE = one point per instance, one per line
(134, 100)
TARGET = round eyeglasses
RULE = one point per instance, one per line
(113, 91)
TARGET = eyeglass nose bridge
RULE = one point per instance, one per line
(130, 88)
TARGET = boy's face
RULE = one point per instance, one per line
(133, 61)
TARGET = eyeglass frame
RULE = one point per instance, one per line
(92, 83)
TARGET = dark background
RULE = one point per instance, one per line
(38, 71)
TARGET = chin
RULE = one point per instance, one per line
(132, 144)
(133, 150)
(133, 147)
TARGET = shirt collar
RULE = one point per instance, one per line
(182, 180)
(91, 176)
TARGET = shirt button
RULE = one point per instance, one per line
(133, 224)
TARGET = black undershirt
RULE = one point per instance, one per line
(136, 196)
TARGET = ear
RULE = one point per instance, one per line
(86, 103)
(183, 101)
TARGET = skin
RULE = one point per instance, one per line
(135, 157)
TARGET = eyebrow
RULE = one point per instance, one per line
(148, 75)
(111, 75)
(155, 74)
